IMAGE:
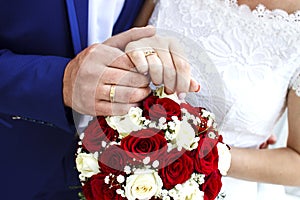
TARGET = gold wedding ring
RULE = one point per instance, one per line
(149, 52)
(112, 93)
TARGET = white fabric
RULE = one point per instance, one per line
(246, 62)
(295, 84)
(102, 16)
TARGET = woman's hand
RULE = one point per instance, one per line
(271, 140)
(163, 60)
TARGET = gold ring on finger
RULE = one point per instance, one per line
(112, 93)
(149, 52)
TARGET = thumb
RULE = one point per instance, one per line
(122, 39)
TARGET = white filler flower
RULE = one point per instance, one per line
(188, 190)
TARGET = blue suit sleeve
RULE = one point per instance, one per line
(31, 87)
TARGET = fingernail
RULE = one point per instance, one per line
(182, 96)
(198, 89)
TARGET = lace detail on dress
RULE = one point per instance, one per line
(296, 86)
(262, 12)
(237, 58)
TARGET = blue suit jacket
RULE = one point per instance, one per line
(37, 39)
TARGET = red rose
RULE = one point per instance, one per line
(177, 169)
(148, 102)
(154, 108)
(205, 156)
(113, 160)
(97, 132)
(212, 185)
(96, 189)
(145, 143)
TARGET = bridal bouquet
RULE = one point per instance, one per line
(165, 149)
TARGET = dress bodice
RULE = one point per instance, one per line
(246, 61)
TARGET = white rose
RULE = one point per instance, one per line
(135, 114)
(224, 158)
(144, 184)
(185, 136)
(87, 164)
(127, 123)
(161, 94)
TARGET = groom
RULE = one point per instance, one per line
(38, 44)
(58, 56)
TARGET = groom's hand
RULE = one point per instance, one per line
(164, 60)
(102, 80)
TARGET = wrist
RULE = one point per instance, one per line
(67, 92)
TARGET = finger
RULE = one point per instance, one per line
(113, 76)
(121, 40)
(272, 139)
(139, 60)
(122, 94)
(105, 108)
(155, 69)
(194, 85)
(263, 145)
(169, 72)
(183, 75)
(123, 62)
(108, 56)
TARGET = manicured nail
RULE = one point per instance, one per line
(198, 89)
(182, 96)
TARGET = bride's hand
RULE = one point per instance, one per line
(271, 140)
(163, 60)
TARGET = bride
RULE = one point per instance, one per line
(254, 46)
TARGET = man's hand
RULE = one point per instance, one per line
(90, 76)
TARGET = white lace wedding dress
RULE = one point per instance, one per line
(246, 62)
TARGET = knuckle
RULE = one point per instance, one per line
(134, 54)
(180, 64)
(142, 69)
(92, 51)
(140, 81)
(93, 48)
(137, 95)
(102, 110)
(170, 73)
(183, 65)
(130, 47)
